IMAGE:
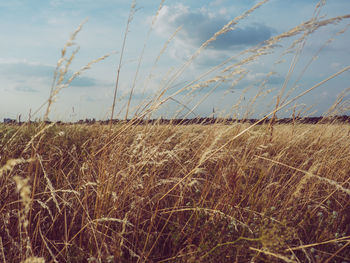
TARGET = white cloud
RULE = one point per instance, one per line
(217, 2)
(34, 74)
(223, 11)
(335, 65)
(200, 25)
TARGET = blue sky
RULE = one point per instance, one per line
(34, 32)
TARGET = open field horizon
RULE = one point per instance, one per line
(343, 119)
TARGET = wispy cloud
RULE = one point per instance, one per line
(199, 25)
(26, 89)
(22, 70)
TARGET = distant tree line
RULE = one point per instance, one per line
(201, 121)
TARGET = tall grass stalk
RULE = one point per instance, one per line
(141, 57)
(130, 18)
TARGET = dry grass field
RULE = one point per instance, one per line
(162, 193)
(157, 192)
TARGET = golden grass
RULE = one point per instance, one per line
(256, 198)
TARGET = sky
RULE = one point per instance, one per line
(161, 52)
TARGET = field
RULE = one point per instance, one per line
(135, 187)
(163, 193)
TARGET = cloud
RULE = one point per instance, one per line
(83, 82)
(23, 68)
(211, 58)
(256, 79)
(199, 25)
(335, 65)
(21, 71)
(217, 2)
(251, 80)
(25, 89)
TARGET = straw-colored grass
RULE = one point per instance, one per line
(256, 198)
